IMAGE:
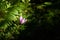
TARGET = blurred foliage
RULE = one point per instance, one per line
(10, 12)
(39, 14)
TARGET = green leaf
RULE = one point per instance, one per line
(25, 1)
(22, 27)
(48, 3)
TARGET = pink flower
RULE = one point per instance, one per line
(22, 20)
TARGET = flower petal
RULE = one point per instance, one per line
(22, 20)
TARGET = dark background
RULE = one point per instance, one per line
(42, 30)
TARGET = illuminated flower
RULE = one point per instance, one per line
(22, 20)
